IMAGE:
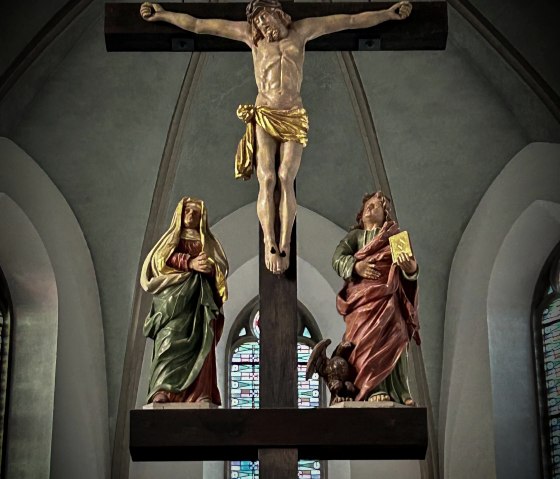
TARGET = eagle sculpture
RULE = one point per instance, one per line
(335, 371)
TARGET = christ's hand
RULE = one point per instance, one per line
(149, 11)
(399, 11)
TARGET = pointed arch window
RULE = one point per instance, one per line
(546, 334)
(243, 379)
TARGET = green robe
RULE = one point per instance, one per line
(181, 323)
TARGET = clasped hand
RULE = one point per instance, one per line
(201, 263)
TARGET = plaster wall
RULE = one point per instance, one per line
(487, 351)
(506, 85)
(532, 28)
(19, 25)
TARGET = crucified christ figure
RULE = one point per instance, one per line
(277, 121)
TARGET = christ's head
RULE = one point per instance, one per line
(267, 20)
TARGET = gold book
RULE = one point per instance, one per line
(400, 243)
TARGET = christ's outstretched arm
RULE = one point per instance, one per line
(154, 12)
(313, 27)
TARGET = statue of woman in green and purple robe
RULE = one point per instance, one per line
(186, 273)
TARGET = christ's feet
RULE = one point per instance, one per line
(272, 259)
(284, 258)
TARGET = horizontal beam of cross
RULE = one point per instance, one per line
(425, 29)
(238, 434)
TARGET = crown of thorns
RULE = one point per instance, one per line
(255, 5)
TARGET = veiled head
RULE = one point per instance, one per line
(192, 211)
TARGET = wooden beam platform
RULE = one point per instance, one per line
(425, 29)
(238, 434)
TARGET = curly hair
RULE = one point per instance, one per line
(255, 6)
(386, 202)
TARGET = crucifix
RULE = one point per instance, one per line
(277, 131)
(277, 123)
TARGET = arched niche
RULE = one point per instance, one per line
(488, 410)
(32, 285)
(510, 294)
(41, 222)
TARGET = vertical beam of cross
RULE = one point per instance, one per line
(278, 352)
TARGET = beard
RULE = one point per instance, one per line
(272, 34)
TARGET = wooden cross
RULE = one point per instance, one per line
(278, 434)
(425, 29)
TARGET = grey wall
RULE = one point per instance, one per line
(532, 28)
(19, 25)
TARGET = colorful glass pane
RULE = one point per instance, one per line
(552, 313)
(244, 469)
(555, 446)
(244, 394)
(309, 470)
(551, 363)
(308, 391)
(255, 326)
(244, 377)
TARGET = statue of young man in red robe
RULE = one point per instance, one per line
(379, 304)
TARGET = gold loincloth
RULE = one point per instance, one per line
(282, 125)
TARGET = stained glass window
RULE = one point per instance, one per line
(244, 389)
(547, 332)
